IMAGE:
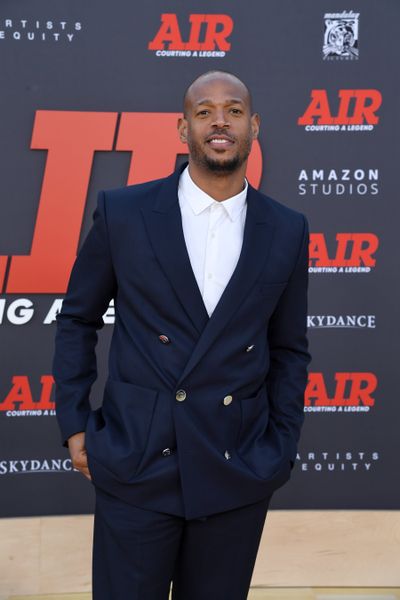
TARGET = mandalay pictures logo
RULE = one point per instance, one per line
(208, 36)
(341, 36)
(39, 30)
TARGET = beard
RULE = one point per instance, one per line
(219, 166)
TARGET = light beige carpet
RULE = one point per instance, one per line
(273, 594)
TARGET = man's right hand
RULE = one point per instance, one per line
(77, 450)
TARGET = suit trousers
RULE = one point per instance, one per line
(137, 553)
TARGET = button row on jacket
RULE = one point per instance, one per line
(181, 396)
(165, 340)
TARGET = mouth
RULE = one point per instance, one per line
(220, 142)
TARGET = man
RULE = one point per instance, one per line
(204, 402)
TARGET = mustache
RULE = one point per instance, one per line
(222, 133)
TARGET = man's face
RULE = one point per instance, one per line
(218, 126)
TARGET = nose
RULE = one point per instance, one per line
(220, 120)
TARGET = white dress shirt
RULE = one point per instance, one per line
(213, 233)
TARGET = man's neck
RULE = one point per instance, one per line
(220, 187)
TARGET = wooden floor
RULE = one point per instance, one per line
(273, 594)
(303, 555)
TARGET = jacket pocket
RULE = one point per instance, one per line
(259, 444)
(117, 434)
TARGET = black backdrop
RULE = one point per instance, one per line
(324, 77)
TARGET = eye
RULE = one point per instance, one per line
(236, 111)
(203, 113)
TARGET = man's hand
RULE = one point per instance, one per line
(77, 450)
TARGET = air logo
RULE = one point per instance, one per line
(20, 400)
(352, 392)
(356, 111)
(208, 36)
(351, 253)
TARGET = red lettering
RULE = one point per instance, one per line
(217, 29)
(317, 250)
(217, 39)
(351, 389)
(366, 103)
(352, 250)
(363, 385)
(168, 33)
(317, 109)
(316, 394)
(345, 97)
(45, 401)
(364, 113)
(71, 139)
(20, 396)
(196, 22)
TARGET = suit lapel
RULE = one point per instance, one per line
(257, 240)
(164, 226)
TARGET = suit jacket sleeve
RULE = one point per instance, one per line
(92, 285)
(287, 337)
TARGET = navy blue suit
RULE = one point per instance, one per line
(198, 427)
(221, 456)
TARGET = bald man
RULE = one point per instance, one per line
(203, 404)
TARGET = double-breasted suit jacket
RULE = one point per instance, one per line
(200, 414)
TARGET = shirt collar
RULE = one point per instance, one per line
(199, 200)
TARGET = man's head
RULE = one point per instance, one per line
(218, 124)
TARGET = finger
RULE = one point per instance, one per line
(85, 471)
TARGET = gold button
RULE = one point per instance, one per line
(228, 399)
(180, 395)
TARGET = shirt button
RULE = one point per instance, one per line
(166, 452)
(227, 455)
(164, 339)
(228, 399)
(213, 235)
(180, 395)
(209, 275)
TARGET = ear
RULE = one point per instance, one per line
(255, 125)
(182, 129)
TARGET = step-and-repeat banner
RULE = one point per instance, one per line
(90, 93)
